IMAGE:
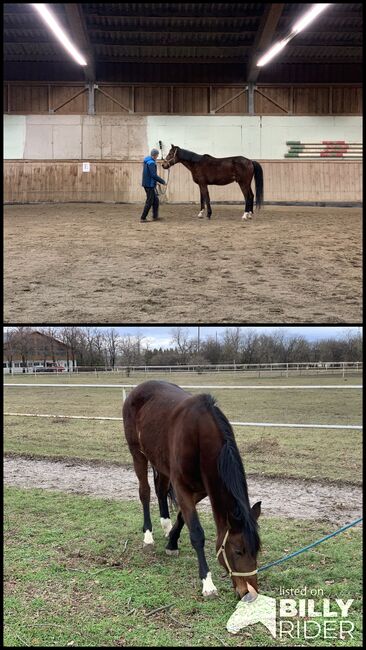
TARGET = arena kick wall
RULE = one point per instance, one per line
(44, 155)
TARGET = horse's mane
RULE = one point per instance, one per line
(231, 470)
(190, 156)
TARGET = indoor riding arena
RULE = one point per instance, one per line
(185, 74)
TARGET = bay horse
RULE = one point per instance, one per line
(192, 449)
(207, 170)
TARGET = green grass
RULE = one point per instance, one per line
(75, 573)
(304, 453)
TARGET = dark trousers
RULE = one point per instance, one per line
(152, 200)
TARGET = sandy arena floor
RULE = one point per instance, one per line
(95, 263)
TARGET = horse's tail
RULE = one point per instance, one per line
(231, 471)
(258, 177)
(170, 493)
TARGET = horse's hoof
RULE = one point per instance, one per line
(210, 594)
(148, 547)
(170, 551)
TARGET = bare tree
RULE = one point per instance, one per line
(100, 346)
(248, 342)
(112, 343)
(231, 342)
(10, 347)
(70, 335)
(185, 345)
(23, 344)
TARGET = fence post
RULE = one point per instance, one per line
(123, 395)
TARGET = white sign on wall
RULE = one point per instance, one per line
(86, 167)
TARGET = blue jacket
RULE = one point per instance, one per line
(149, 175)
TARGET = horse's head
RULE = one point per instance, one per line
(171, 158)
(238, 555)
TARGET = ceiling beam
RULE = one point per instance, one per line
(79, 32)
(267, 28)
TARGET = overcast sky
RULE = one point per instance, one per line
(157, 336)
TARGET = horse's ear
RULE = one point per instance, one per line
(172, 146)
(256, 509)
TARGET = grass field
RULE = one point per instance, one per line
(307, 453)
(75, 574)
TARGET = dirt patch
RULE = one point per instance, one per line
(280, 497)
(98, 264)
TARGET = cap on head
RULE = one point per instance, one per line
(154, 152)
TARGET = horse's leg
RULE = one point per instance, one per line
(140, 465)
(161, 489)
(251, 202)
(187, 502)
(247, 193)
(200, 214)
(208, 203)
(172, 546)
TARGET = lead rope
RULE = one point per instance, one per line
(161, 189)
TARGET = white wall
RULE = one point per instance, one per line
(130, 137)
(14, 136)
(251, 136)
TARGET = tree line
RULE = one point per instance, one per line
(93, 346)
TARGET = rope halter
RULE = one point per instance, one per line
(172, 161)
(231, 573)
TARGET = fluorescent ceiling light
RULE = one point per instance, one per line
(272, 52)
(298, 27)
(308, 18)
(59, 33)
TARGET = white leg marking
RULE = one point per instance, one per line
(148, 538)
(245, 215)
(250, 215)
(200, 214)
(166, 525)
(208, 587)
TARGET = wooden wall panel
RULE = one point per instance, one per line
(155, 99)
(191, 100)
(60, 94)
(287, 180)
(347, 100)
(222, 95)
(152, 99)
(24, 97)
(314, 101)
(105, 105)
(281, 96)
(5, 99)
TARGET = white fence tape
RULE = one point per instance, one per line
(218, 387)
(238, 424)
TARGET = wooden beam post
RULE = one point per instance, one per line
(267, 28)
(75, 16)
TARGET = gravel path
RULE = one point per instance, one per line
(280, 497)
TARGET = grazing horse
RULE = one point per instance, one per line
(191, 446)
(207, 170)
